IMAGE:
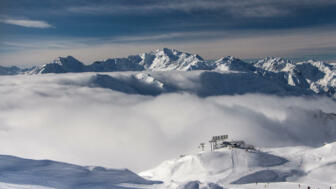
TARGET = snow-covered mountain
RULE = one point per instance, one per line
(201, 83)
(275, 64)
(158, 60)
(285, 167)
(225, 165)
(317, 76)
(230, 63)
(261, 167)
(284, 76)
(171, 60)
(59, 65)
(9, 70)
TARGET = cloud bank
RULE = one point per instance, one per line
(47, 117)
(26, 23)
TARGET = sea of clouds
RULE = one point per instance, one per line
(61, 117)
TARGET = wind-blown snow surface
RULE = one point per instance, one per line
(62, 175)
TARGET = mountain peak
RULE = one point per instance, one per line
(166, 50)
(61, 65)
(230, 63)
(275, 64)
(227, 58)
(166, 59)
(68, 59)
(174, 52)
(276, 59)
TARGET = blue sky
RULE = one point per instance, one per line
(36, 31)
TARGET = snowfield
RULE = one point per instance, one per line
(286, 167)
(62, 175)
(148, 113)
(238, 168)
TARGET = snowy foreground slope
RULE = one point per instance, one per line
(27, 173)
(286, 167)
(237, 168)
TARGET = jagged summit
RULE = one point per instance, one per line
(61, 65)
(157, 60)
(163, 59)
(226, 58)
(279, 59)
(174, 52)
(166, 50)
(230, 63)
(274, 64)
(170, 59)
(64, 60)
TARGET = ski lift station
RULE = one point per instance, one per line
(221, 141)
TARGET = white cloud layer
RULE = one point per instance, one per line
(26, 23)
(45, 116)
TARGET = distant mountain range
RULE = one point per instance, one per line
(157, 60)
(308, 77)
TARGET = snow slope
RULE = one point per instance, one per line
(21, 186)
(224, 165)
(286, 167)
(234, 168)
(59, 65)
(21, 173)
